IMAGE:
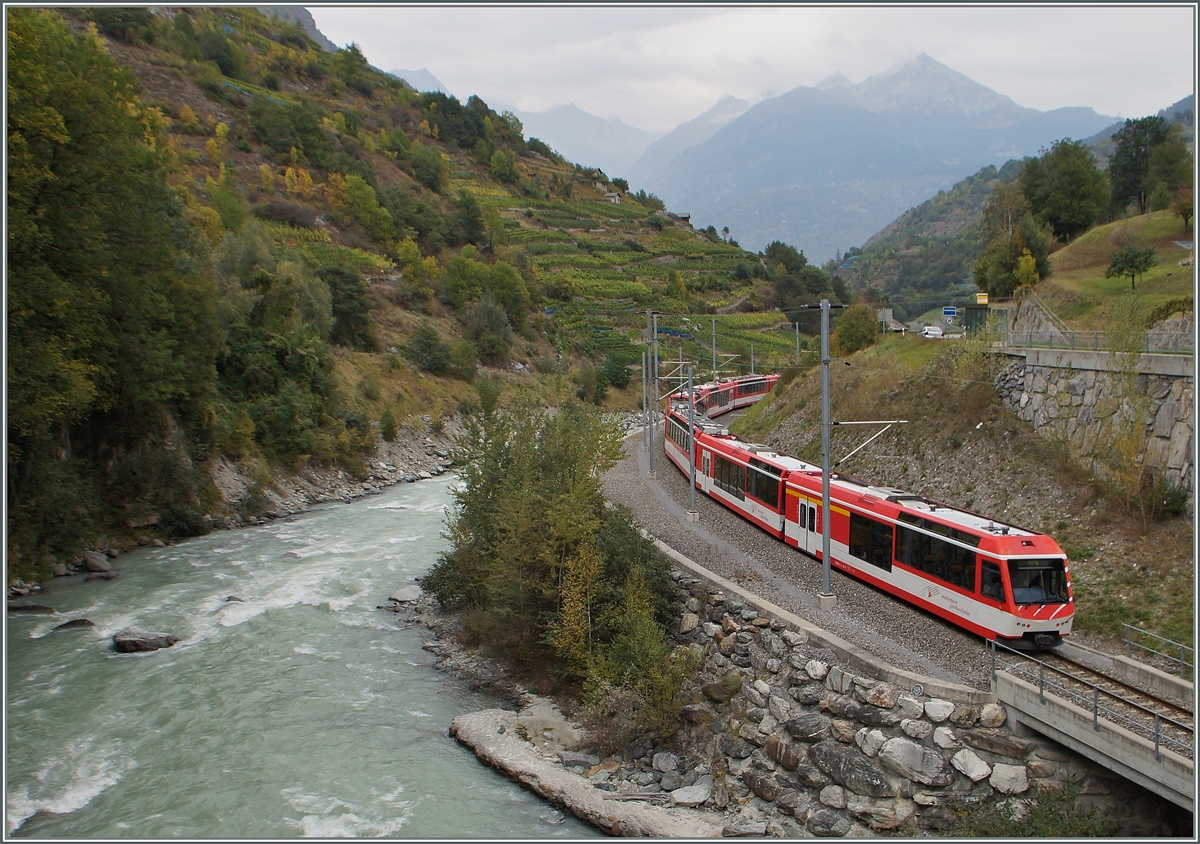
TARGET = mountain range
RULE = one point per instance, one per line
(825, 167)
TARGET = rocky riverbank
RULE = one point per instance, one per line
(778, 740)
(254, 494)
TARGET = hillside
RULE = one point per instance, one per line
(924, 258)
(974, 454)
(358, 254)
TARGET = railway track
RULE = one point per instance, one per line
(1167, 724)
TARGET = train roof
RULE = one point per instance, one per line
(922, 506)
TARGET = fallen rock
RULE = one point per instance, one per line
(746, 829)
(573, 759)
(102, 575)
(133, 641)
(76, 624)
(693, 795)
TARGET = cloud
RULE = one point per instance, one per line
(655, 67)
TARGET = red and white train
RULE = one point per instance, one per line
(996, 580)
(719, 397)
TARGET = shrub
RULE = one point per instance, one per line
(285, 211)
(387, 426)
(1048, 812)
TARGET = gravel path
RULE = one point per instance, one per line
(721, 541)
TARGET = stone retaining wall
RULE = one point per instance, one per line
(786, 735)
(1090, 401)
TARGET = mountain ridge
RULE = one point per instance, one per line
(912, 131)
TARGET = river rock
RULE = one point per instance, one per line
(102, 575)
(132, 641)
(869, 741)
(880, 814)
(693, 795)
(745, 829)
(571, 759)
(810, 727)
(918, 730)
(909, 707)
(25, 605)
(885, 696)
(406, 595)
(992, 715)
(95, 561)
(665, 761)
(945, 738)
(782, 751)
(76, 624)
(234, 599)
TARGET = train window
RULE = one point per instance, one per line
(1038, 581)
(803, 520)
(812, 518)
(729, 476)
(871, 541)
(990, 584)
(679, 435)
(765, 484)
(936, 557)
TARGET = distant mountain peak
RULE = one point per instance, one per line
(420, 80)
(835, 80)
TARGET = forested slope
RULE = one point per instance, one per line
(226, 240)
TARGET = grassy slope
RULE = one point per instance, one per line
(962, 447)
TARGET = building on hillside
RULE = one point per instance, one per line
(614, 198)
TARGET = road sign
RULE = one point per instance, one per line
(949, 311)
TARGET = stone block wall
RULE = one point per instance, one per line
(1084, 409)
(784, 741)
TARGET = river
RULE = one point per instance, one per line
(302, 712)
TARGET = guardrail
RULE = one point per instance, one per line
(1156, 342)
(1128, 631)
(1093, 705)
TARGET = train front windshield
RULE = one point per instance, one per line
(1038, 581)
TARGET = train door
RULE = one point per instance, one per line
(705, 470)
(807, 526)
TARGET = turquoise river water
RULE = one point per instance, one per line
(303, 712)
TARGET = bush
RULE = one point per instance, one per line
(387, 426)
(1048, 812)
(285, 211)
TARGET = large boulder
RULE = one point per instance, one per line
(879, 813)
(134, 641)
(406, 595)
(850, 769)
(95, 561)
(1009, 779)
(938, 710)
(998, 743)
(693, 795)
(811, 727)
(917, 763)
(970, 765)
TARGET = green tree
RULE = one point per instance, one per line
(1160, 198)
(1010, 230)
(1025, 273)
(426, 350)
(1065, 188)
(387, 426)
(1129, 168)
(1182, 205)
(363, 206)
(1132, 261)
(1170, 161)
(429, 167)
(503, 166)
(110, 323)
(348, 294)
(857, 328)
(488, 328)
(676, 289)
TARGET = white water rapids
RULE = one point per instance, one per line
(302, 712)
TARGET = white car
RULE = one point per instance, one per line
(932, 331)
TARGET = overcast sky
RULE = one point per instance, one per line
(656, 67)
